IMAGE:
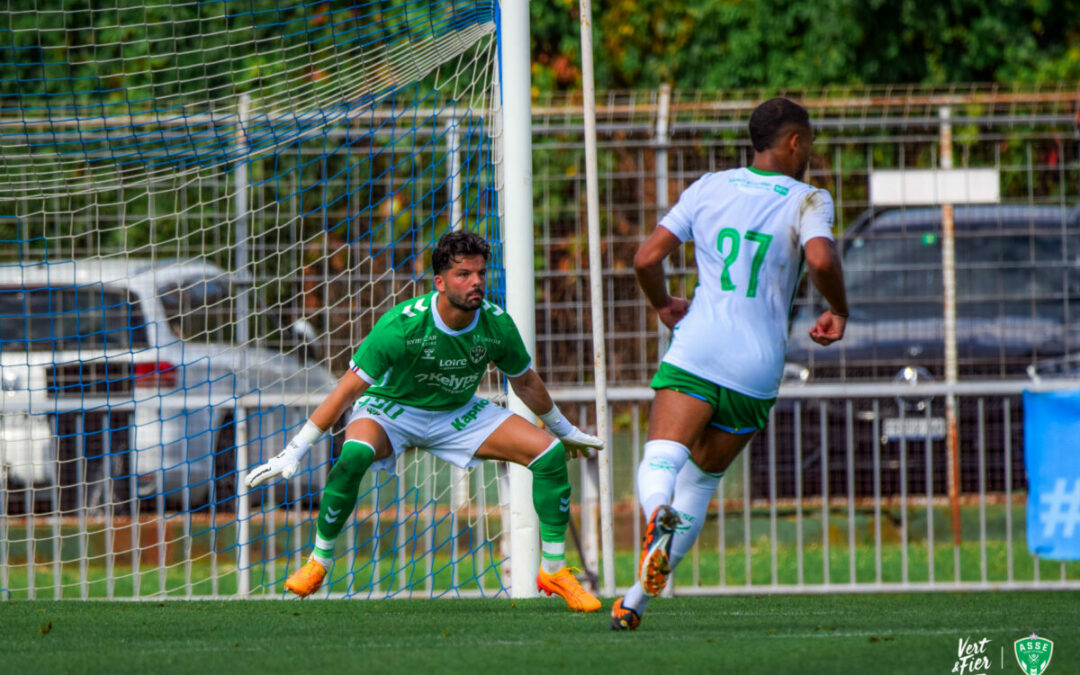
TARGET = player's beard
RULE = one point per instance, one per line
(468, 302)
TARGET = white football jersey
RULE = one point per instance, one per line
(748, 229)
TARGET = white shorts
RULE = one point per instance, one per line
(450, 435)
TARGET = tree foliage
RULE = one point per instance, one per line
(722, 44)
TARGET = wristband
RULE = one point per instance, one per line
(836, 313)
(305, 438)
(557, 422)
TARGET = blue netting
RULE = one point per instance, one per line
(149, 346)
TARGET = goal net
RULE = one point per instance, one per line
(204, 207)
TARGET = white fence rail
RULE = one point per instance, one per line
(846, 491)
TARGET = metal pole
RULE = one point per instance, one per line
(948, 275)
(516, 107)
(596, 300)
(457, 216)
(662, 138)
(243, 508)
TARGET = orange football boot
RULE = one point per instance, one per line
(655, 565)
(563, 584)
(307, 579)
(624, 618)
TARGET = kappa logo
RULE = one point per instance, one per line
(474, 412)
(1033, 653)
(331, 511)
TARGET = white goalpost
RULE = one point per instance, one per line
(205, 207)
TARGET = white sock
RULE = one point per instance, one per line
(636, 599)
(656, 474)
(694, 489)
(552, 556)
(323, 553)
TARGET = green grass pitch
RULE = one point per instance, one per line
(879, 634)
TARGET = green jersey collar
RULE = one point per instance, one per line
(441, 325)
(763, 173)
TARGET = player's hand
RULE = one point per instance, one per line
(829, 328)
(285, 464)
(579, 443)
(673, 312)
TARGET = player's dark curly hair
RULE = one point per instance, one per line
(770, 118)
(455, 245)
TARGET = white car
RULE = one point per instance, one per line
(122, 376)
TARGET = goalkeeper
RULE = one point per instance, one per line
(412, 383)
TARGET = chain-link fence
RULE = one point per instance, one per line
(1018, 261)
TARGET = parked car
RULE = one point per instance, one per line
(121, 376)
(1018, 313)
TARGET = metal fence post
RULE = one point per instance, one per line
(948, 276)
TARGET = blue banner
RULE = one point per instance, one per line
(1052, 461)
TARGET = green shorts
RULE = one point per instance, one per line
(733, 412)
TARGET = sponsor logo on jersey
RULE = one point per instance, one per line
(463, 421)
(478, 353)
(452, 363)
(454, 383)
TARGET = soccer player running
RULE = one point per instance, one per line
(718, 380)
(412, 383)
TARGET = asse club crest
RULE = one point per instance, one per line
(478, 353)
(1033, 654)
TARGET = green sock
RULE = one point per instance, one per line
(339, 495)
(551, 494)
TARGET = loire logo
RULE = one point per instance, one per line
(1033, 654)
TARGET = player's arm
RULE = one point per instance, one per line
(534, 394)
(827, 274)
(649, 268)
(287, 462)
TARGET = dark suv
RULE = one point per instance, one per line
(1017, 294)
(1017, 308)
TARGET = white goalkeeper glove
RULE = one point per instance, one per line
(575, 440)
(287, 462)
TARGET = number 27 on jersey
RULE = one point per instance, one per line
(729, 244)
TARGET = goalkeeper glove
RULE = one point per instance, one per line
(287, 462)
(575, 440)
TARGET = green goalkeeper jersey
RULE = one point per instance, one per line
(413, 358)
